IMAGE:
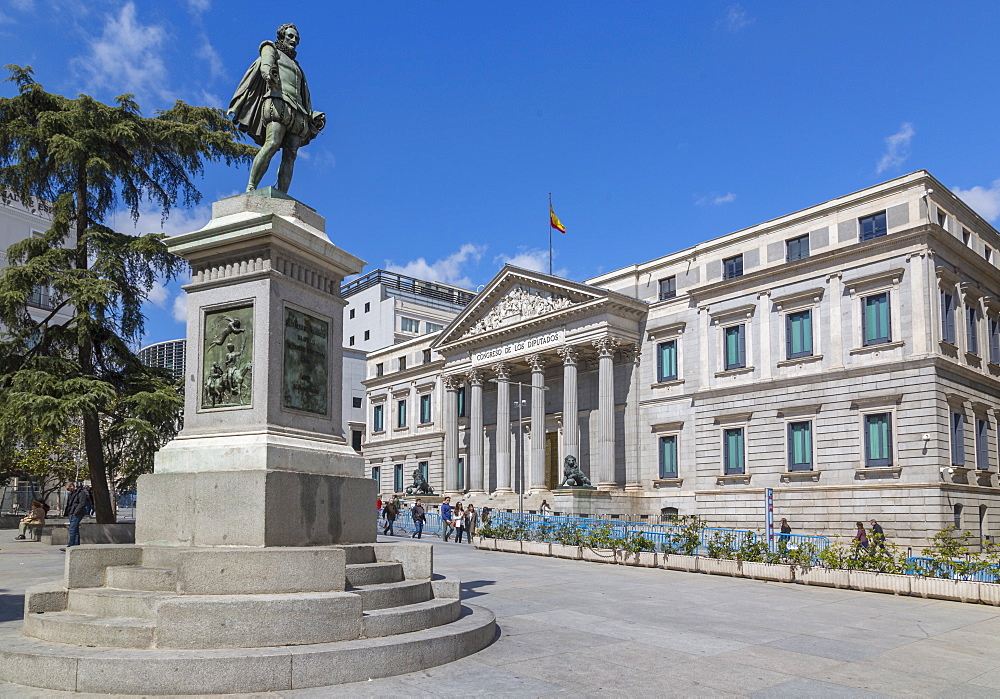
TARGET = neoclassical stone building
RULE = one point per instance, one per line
(846, 356)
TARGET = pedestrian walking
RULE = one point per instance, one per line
(447, 525)
(878, 537)
(484, 516)
(471, 520)
(860, 539)
(77, 505)
(786, 534)
(378, 503)
(389, 512)
(458, 521)
(545, 508)
(418, 515)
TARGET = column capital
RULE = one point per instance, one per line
(452, 382)
(569, 354)
(502, 370)
(605, 346)
(536, 362)
(632, 352)
(475, 377)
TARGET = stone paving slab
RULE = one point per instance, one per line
(591, 629)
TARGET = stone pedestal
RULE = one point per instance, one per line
(579, 501)
(261, 460)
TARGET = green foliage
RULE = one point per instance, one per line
(951, 555)
(568, 535)
(49, 462)
(687, 538)
(804, 554)
(721, 545)
(601, 537)
(80, 160)
(637, 542)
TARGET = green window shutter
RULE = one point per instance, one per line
(666, 363)
(668, 457)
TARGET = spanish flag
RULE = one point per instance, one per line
(554, 221)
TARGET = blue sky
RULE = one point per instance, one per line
(655, 125)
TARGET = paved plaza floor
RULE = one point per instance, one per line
(591, 629)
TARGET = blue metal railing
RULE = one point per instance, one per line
(918, 565)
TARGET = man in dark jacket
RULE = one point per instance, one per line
(77, 506)
(878, 537)
(389, 512)
(419, 515)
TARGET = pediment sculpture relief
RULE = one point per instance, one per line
(516, 305)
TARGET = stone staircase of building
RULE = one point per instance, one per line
(365, 611)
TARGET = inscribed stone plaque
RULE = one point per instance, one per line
(305, 384)
(227, 358)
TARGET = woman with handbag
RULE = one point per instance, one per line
(458, 517)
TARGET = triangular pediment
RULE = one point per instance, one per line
(517, 298)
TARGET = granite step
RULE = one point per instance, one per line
(411, 617)
(359, 553)
(107, 602)
(396, 594)
(89, 630)
(142, 578)
(359, 574)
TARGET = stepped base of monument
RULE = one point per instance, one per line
(189, 620)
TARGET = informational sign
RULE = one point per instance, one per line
(520, 347)
(769, 517)
(306, 375)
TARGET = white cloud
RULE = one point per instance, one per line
(196, 7)
(534, 259)
(449, 270)
(736, 19)
(897, 148)
(984, 200)
(180, 220)
(158, 294)
(23, 5)
(179, 310)
(207, 53)
(716, 199)
(127, 56)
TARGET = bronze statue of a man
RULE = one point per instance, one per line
(273, 106)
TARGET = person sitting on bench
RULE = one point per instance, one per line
(35, 519)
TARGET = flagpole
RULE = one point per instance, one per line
(550, 234)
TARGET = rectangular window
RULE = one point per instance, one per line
(461, 473)
(356, 402)
(732, 447)
(401, 413)
(460, 397)
(368, 334)
(732, 267)
(668, 288)
(958, 439)
(873, 226)
(397, 479)
(800, 446)
(967, 237)
(351, 341)
(377, 474)
(995, 340)
(878, 439)
(971, 329)
(427, 356)
(409, 325)
(352, 312)
(875, 321)
(432, 327)
(797, 248)
(982, 445)
(356, 440)
(402, 363)
(798, 334)
(368, 307)
(666, 361)
(736, 347)
(379, 369)
(423, 470)
(948, 317)
(425, 409)
(668, 456)
(378, 423)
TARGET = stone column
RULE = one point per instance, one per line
(475, 377)
(836, 339)
(606, 413)
(451, 386)
(536, 476)
(633, 479)
(571, 422)
(503, 427)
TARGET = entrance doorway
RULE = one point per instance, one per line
(552, 470)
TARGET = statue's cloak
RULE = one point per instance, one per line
(250, 99)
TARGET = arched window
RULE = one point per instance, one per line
(669, 512)
(958, 515)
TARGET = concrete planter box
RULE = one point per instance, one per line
(719, 566)
(481, 542)
(942, 588)
(989, 593)
(645, 559)
(563, 551)
(536, 548)
(778, 572)
(599, 555)
(509, 545)
(826, 577)
(869, 581)
(675, 561)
